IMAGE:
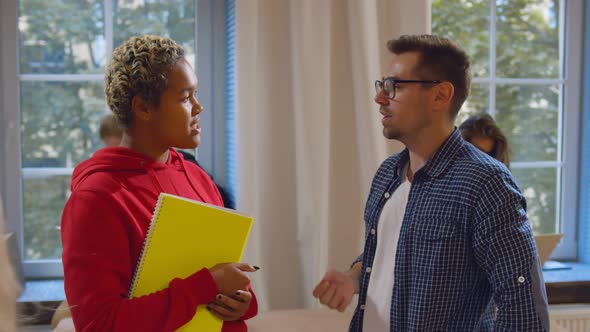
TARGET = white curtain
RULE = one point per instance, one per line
(309, 134)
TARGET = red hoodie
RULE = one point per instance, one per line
(103, 227)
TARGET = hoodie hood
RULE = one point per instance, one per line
(120, 159)
(171, 177)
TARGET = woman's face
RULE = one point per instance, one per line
(176, 119)
(483, 143)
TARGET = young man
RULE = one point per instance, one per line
(446, 225)
(150, 87)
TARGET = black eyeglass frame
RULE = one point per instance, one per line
(380, 85)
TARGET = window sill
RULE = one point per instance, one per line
(40, 297)
(38, 301)
(568, 286)
(43, 291)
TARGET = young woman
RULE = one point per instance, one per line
(151, 89)
(482, 131)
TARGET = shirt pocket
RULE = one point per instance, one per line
(434, 229)
(438, 248)
(439, 221)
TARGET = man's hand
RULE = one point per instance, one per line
(336, 289)
(229, 308)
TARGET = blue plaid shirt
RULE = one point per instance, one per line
(465, 240)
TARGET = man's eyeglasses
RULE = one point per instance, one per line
(389, 85)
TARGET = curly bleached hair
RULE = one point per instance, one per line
(139, 67)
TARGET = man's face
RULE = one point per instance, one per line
(407, 113)
(175, 121)
(110, 141)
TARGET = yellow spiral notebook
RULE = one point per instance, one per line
(184, 237)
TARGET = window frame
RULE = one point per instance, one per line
(209, 35)
(567, 163)
(571, 124)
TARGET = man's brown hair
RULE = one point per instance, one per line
(110, 127)
(440, 59)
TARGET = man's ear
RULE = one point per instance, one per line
(443, 97)
(141, 109)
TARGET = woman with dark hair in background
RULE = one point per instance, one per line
(482, 131)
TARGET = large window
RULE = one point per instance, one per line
(62, 48)
(526, 60)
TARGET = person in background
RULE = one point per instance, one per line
(482, 131)
(226, 197)
(446, 228)
(151, 89)
(8, 284)
(110, 131)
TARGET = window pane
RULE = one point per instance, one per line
(468, 24)
(43, 202)
(60, 122)
(477, 102)
(527, 38)
(58, 37)
(528, 115)
(174, 19)
(539, 186)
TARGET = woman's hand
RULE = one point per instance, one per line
(231, 277)
(230, 308)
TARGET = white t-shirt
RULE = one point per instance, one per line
(377, 316)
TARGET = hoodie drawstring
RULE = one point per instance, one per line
(153, 176)
(190, 180)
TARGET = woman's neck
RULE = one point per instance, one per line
(145, 147)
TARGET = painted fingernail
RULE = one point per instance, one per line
(219, 297)
(238, 293)
(256, 267)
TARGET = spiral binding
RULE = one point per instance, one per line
(145, 246)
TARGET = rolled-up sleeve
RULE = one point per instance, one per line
(505, 249)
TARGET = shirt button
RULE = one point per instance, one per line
(387, 195)
(372, 231)
(368, 270)
(521, 279)
(362, 307)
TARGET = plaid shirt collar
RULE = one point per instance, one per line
(440, 161)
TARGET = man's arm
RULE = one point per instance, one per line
(355, 274)
(337, 288)
(505, 249)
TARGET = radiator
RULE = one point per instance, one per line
(570, 317)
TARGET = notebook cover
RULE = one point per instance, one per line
(184, 237)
